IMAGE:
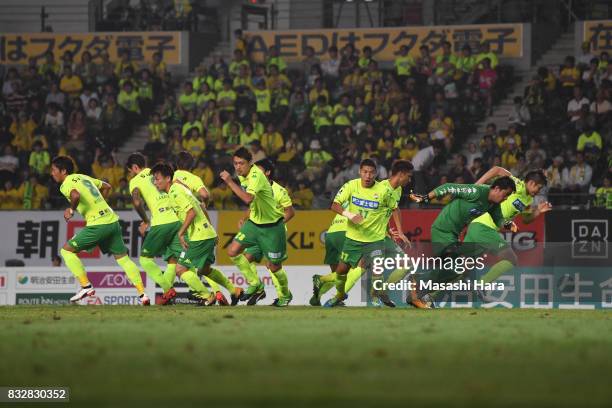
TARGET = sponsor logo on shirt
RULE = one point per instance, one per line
(362, 202)
(519, 205)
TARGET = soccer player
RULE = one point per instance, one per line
(401, 174)
(184, 164)
(102, 227)
(468, 202)
(264, 228)
(162, 239)
(482, 233)
(253, 253)
(370, 205)
(199, 250)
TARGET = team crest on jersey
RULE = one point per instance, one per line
(519, 205)
(362, 202)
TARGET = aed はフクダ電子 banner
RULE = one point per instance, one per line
(505, 39)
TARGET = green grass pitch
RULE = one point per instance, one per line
(187, 356)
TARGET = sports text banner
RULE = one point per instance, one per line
(35, 236)
(599, 33)
(305, 236)
(18, 48)
(505, 39)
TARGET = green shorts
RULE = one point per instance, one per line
(334, 241)
(353, 251)
(444, 243)
(270, 238)
(481, 238)
(255, 252)
(198, 254)
(162, 240)
(106, 236)
(392, 248)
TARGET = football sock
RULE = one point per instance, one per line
(216, 276)
(283, 282)
(497, 270)
(75, 265)
(213, 285)
(132, 272)
(195, 284)
(245, 268)
(170, 274)
(397, 275)
(352, 277)
(326, 286)
(279, 290)
(330, 277)
(152, 270)
(340, 285)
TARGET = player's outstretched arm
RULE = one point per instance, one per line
(105, 189)
(529, 217)
(205, 197)
(492, 173)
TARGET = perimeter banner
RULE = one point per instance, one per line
(505, 39)
(18, 48)
(599, 33)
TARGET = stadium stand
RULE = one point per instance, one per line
(317, 119)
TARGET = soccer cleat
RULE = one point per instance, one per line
(284, 301)
(235, 297)
(83, 293)
(376, 302)
(221, 300)
(257, 296)
(250, 291)
(315, 300)
(167, 297)
(384, 298)
(335, 301)
(205, 299)
(424, 302)
(144, 300)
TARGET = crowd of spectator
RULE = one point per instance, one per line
(317, 120)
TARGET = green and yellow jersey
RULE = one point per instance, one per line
(157, 201)
(193, 182)
(92, 206)
(517, 203)
(182, 200)
(263, 208)
(375, 204)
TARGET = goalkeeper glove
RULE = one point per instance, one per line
(420, 198)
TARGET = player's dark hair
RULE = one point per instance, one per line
(401, 166)
(368, 163)
(537, 176)
(184, 160)
(63, 163)
(504, 183)
(164, 169)
(267, 165)
(243, 153)
(137, 159)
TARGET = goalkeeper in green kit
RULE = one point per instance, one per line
(482, 234)
(468, 202)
